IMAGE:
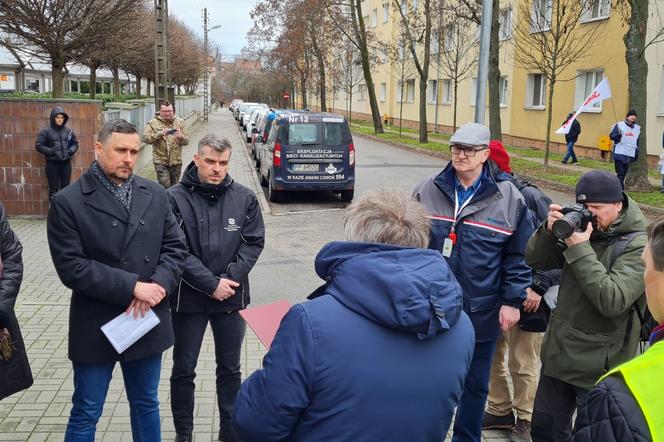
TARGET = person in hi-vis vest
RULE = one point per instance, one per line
(626, 404)
(625, 136)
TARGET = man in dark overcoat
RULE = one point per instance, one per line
(115, 242)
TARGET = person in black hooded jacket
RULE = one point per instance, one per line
(225, 234)
(58, 144)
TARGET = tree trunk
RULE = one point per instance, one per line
(321, 71)
(303, 82)
(401, 106)
(116, 82)
(494, 75)
(361, 35)
(424, 138)
(637, 80)
(138, 86)
(57, 74)
(454, 119)
(549, 114)
(93, 80)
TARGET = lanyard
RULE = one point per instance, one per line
(458, 210)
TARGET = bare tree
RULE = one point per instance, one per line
(458, 57)
(416, 29)
(635, 14)
(60, 29)
(548, 39)
(405, 69)
(350, 74)
(347, 14)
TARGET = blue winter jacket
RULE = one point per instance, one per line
(492, 233)
(380, 353)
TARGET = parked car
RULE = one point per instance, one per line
(252, 123)
(308, 151)
(241, 109)
(262, 132)
(234, 104)
(247, 113)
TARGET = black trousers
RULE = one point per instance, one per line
(58, 174)
(555, 404)
(621, 171)
(228, 332)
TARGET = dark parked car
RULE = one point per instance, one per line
(308, 151)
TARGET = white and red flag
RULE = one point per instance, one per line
(601, 92)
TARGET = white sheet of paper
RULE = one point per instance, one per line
(123, 331)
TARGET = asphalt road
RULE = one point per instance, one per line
(299, 227)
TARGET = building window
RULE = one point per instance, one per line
(536, 91)
(502, 91)
(435, 45)
(597, 10)
(362, 92)
(448, 91)
(404, 7)
(448, 38)
(399, 91)
(386, 12)
(410, 91)
(432, 91)
(505, 21)
(374, 17)
(585, 83)
(383, 91)
(73, 86)
(540, 19)
(32, 84)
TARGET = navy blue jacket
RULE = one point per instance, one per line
(380, 354)
(492, 233)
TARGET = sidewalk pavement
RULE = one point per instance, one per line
(41, 412)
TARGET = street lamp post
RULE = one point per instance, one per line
(483, 70)
(206, 96)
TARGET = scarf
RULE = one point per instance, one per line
(122, 193)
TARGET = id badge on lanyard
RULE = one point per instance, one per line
(450, 241)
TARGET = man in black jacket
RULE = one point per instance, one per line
(115, 243)
(225, 233)
(58, 144)
(571, 137)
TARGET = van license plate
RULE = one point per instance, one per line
(305, 167)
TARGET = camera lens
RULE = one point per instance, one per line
(568, 224)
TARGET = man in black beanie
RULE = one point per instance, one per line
(595, 326)
(625, 136)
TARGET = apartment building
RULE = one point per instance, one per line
(523, 93)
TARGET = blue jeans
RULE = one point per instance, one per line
(141, 379)
(228, 332)
(570, 152)
(470, 412)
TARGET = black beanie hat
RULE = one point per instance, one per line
(598, 186)
(630, 113)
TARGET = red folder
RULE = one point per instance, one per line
(264, 320)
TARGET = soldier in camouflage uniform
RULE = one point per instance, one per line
(167, 134)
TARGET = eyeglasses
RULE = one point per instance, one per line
(470, 151)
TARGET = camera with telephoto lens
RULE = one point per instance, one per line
(575, 219)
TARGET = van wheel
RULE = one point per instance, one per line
(274, 196)
(347, 195)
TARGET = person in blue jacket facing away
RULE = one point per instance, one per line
(378, 353)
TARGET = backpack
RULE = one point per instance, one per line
(647, 322)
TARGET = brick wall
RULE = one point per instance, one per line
(23, 186)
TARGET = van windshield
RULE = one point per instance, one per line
(309, 133)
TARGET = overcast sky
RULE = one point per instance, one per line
(231, 15)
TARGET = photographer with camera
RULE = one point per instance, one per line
(167, 134)
(595, 326)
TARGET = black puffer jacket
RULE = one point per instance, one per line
(611, 414)
(57, 143)
(225, 234)
(11, 269)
